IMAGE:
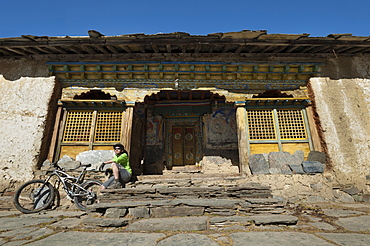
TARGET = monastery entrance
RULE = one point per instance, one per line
(183, 145)
(186, 126)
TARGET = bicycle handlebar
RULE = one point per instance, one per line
(55, 164)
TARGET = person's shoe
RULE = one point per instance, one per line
(115, 185)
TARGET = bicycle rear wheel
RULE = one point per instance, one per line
(88, 194)
(33, 196)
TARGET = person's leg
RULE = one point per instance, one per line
(115, 168)
(124, 176)
(113, 181)
(107, 183)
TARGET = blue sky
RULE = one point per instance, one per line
(197, 17)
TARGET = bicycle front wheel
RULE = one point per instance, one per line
(88, 194)
(34, 196)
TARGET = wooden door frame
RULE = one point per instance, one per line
(182, 121)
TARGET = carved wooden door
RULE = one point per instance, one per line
(183, 145)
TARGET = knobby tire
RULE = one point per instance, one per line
(34, 196)
(84, 200)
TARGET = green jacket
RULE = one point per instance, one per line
(123, 161)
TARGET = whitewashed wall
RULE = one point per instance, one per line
(24, 106)
(344, 110)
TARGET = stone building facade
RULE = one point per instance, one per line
(179, 100)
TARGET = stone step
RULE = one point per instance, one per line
(220, 199)
(251, 190)
(185, 180)
(189, 207)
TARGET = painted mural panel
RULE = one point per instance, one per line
(220, 129)
(154, 134)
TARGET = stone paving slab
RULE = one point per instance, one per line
(188, 240)
(322, 226)
(274, 219)
(18, 231)
(347, 239)
(100, 238)
(170, 224)
(9, 223)
(104, 222)
(54, 214)
(360, 223)
(67, 223)
(340, 212)
(219, 203)
(277, 239)
(238, 219)
(35, 234)
(9, 213)
(188, 230)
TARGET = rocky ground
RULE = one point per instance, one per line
(301, 224)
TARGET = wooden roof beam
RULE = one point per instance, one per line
(74, 49)
(281, 48)
(57, 49)
(264, 48)
(32, 50)
(126, 48)
(6, 51)
(88, 49)
(112, 48)
(255, 47)
(17, 51)
(320, 49)
(102, 49)
(168, 47)
(226, 48)
(239, 49)
(141, 48)
(197, 48)
(357, 49)
(155, 48)
(291, 48)
(211, 48)
(308, 48)
(48, 49)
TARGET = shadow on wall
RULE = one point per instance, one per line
(214, 161)
(14, 69)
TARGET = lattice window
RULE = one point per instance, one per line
(108, 126)
(261, 125)
(291, 124)
(78, 126)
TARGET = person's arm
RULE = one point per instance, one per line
(104, 163)
(108, 162)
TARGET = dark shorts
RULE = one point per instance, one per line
(124, 177)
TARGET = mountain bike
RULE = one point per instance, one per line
(36, 195)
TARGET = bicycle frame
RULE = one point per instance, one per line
(36, 195)
(69, 183)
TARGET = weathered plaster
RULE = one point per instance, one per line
(343, 107)
(24, 105)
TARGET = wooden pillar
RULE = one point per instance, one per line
(127, 128)
(241, 121)
(54, 139)
(316, 140)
